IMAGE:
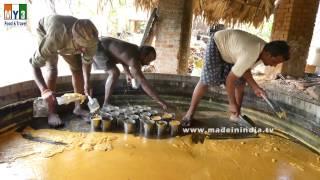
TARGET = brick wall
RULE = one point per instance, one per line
(294, 22)
(168, 35)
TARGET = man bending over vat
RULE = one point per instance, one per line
(76, 41)
(113, 51)
(230, 55)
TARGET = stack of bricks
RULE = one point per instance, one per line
(294, 22)
(168, 35)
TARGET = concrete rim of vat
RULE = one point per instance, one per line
(304, 124)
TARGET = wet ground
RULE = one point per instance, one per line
(74, 152)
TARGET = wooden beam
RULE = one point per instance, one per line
(150, 24)
(185, 37)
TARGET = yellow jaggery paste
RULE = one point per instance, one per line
(96, 117)
(74, 97)
(117, 156)
(174, 123)
(167, 116)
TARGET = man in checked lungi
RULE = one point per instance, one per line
(230, 56)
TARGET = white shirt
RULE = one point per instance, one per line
(239, 48)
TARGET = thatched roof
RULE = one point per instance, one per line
(230, 11)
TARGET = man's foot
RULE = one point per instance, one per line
(54, 121)
(186, 121)
(83, 114)
(109, 108)
(105, 106)
(234, 119)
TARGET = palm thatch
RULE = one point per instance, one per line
(230, 11)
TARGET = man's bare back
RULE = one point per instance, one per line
(113, 51)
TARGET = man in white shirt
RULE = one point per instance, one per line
(230, 55)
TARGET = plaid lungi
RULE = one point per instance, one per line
(215, 69)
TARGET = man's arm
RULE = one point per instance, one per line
(46, 93)
(47, 48)
(87, 60)
(248, 77)
(127, 70)
(38, 78)
(86, 68)
(253, 84)
(138, 75)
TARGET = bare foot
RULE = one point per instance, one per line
(234, 119)
(54, 121)
(106, 105)
(83, 114)
(186, 121)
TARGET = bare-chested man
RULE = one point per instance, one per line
(113, 51)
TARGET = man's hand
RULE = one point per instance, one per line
(128, 78)
(259, 92)
(164, 105)
(86, 68)
(127, 72)
(234, 109)
(87, 90)
(48, 95)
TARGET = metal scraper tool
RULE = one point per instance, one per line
(93, 104)
(247, 119)
(41, 139)
(275, 107)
